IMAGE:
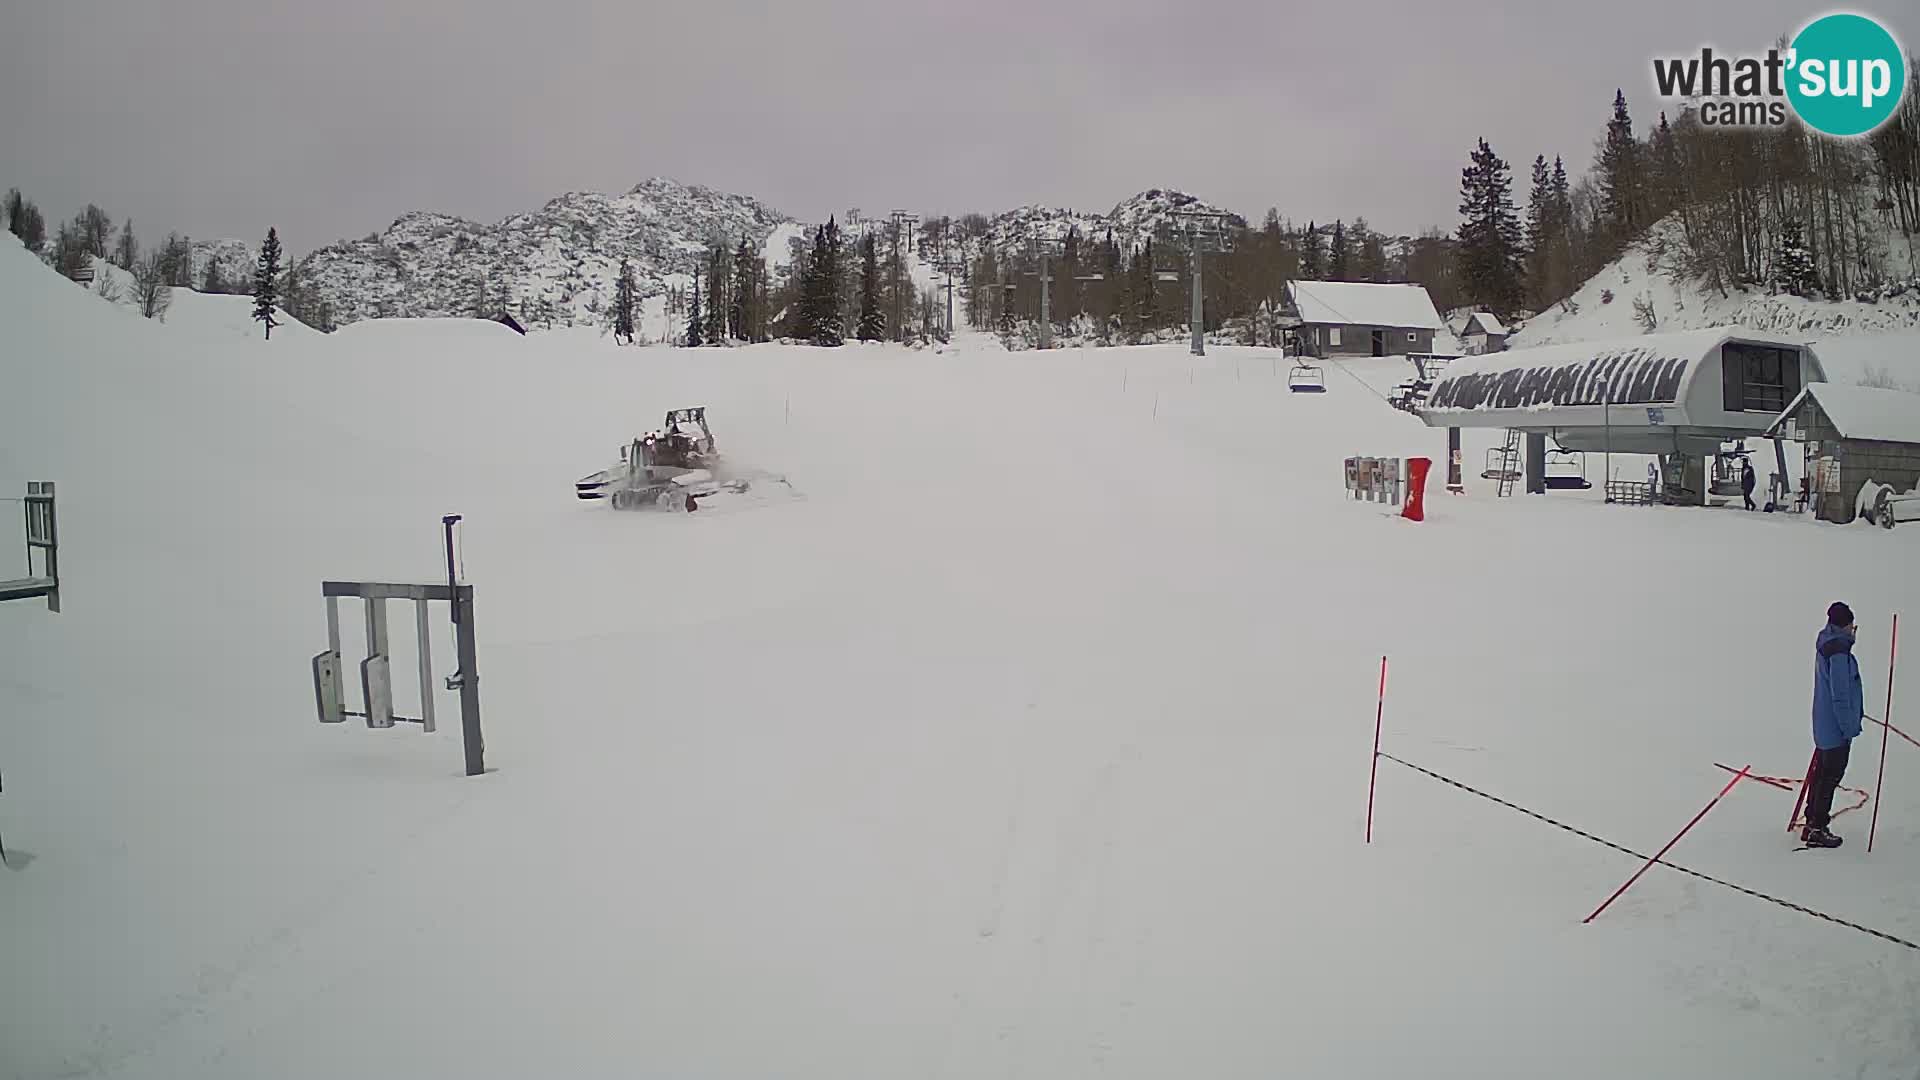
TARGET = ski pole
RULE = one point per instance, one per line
(1373, 778)
(1794, 818)
(1886, 728)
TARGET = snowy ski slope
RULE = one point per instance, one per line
(1030, 742)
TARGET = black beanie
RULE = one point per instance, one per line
(1840, 615)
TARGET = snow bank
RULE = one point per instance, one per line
(436, 331)
(1604, 307)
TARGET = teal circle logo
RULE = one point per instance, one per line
(1847, 75)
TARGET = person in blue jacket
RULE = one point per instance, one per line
(1838, 706)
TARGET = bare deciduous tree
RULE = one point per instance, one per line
(151, 292)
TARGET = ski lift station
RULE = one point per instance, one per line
(1678, 396)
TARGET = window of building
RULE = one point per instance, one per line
(1411, 336)
(1758, 378)
(1333, 335)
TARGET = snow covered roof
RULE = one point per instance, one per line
(1864, 412)
(1641, 370)
(1488, 324)
(1363, 303)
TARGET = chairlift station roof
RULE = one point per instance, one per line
(1681, 392)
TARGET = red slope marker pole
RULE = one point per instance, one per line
(1373, 776)
(1737, 777)
(1886, 728)
(1793, 819)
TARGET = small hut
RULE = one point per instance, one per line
(1853, 434)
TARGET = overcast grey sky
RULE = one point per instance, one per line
(329, 118)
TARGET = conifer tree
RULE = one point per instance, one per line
(873, 325)
(1313, 262)
(1489, 240)
(695, 325)
(1793, 267)
(828, 327)
(212, 282)
(717, 299)
(623, 298)
(1666, 182)
(127, 252)
(740, 313)
(1337, 253)
(266, 283)
(1370, 262)
(1622, 176)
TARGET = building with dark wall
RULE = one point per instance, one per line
(1358, 318)
(1852, 435)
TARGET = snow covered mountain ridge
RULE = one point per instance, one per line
(557, 263)
(556, 266)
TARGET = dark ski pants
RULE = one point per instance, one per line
(1828, 767)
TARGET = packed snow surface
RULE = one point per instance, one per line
(1026, 736)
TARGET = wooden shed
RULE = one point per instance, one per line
(1483, 334)
(1359, 318)
(1853, 434)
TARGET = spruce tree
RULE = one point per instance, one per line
(1370, 262)
(1337, 253)
(13, 209)
(1622, 175)
(1793, 268)
(623, 297)
(1540, 232)
(829, 329)
(717, 300)
(1313, 262)
(1145, 319)
(804, 271)
(1065, 304)
(29, 225)
(127, 252)
(1666, 182)
(1009, 322)
(873, 325)
(695, 325)
(740, 313)
(266, 282)
(212, 282)
(1489, 237)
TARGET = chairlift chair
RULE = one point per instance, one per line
(1502, 464)
(1566, 470)
(1727, 464)
(1305, 378)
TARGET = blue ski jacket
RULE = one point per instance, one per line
(1838, 703)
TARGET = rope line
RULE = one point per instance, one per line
(1756, 894)
(1791, 783)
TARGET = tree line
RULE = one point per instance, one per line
(157, 271)
(1784, 210)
